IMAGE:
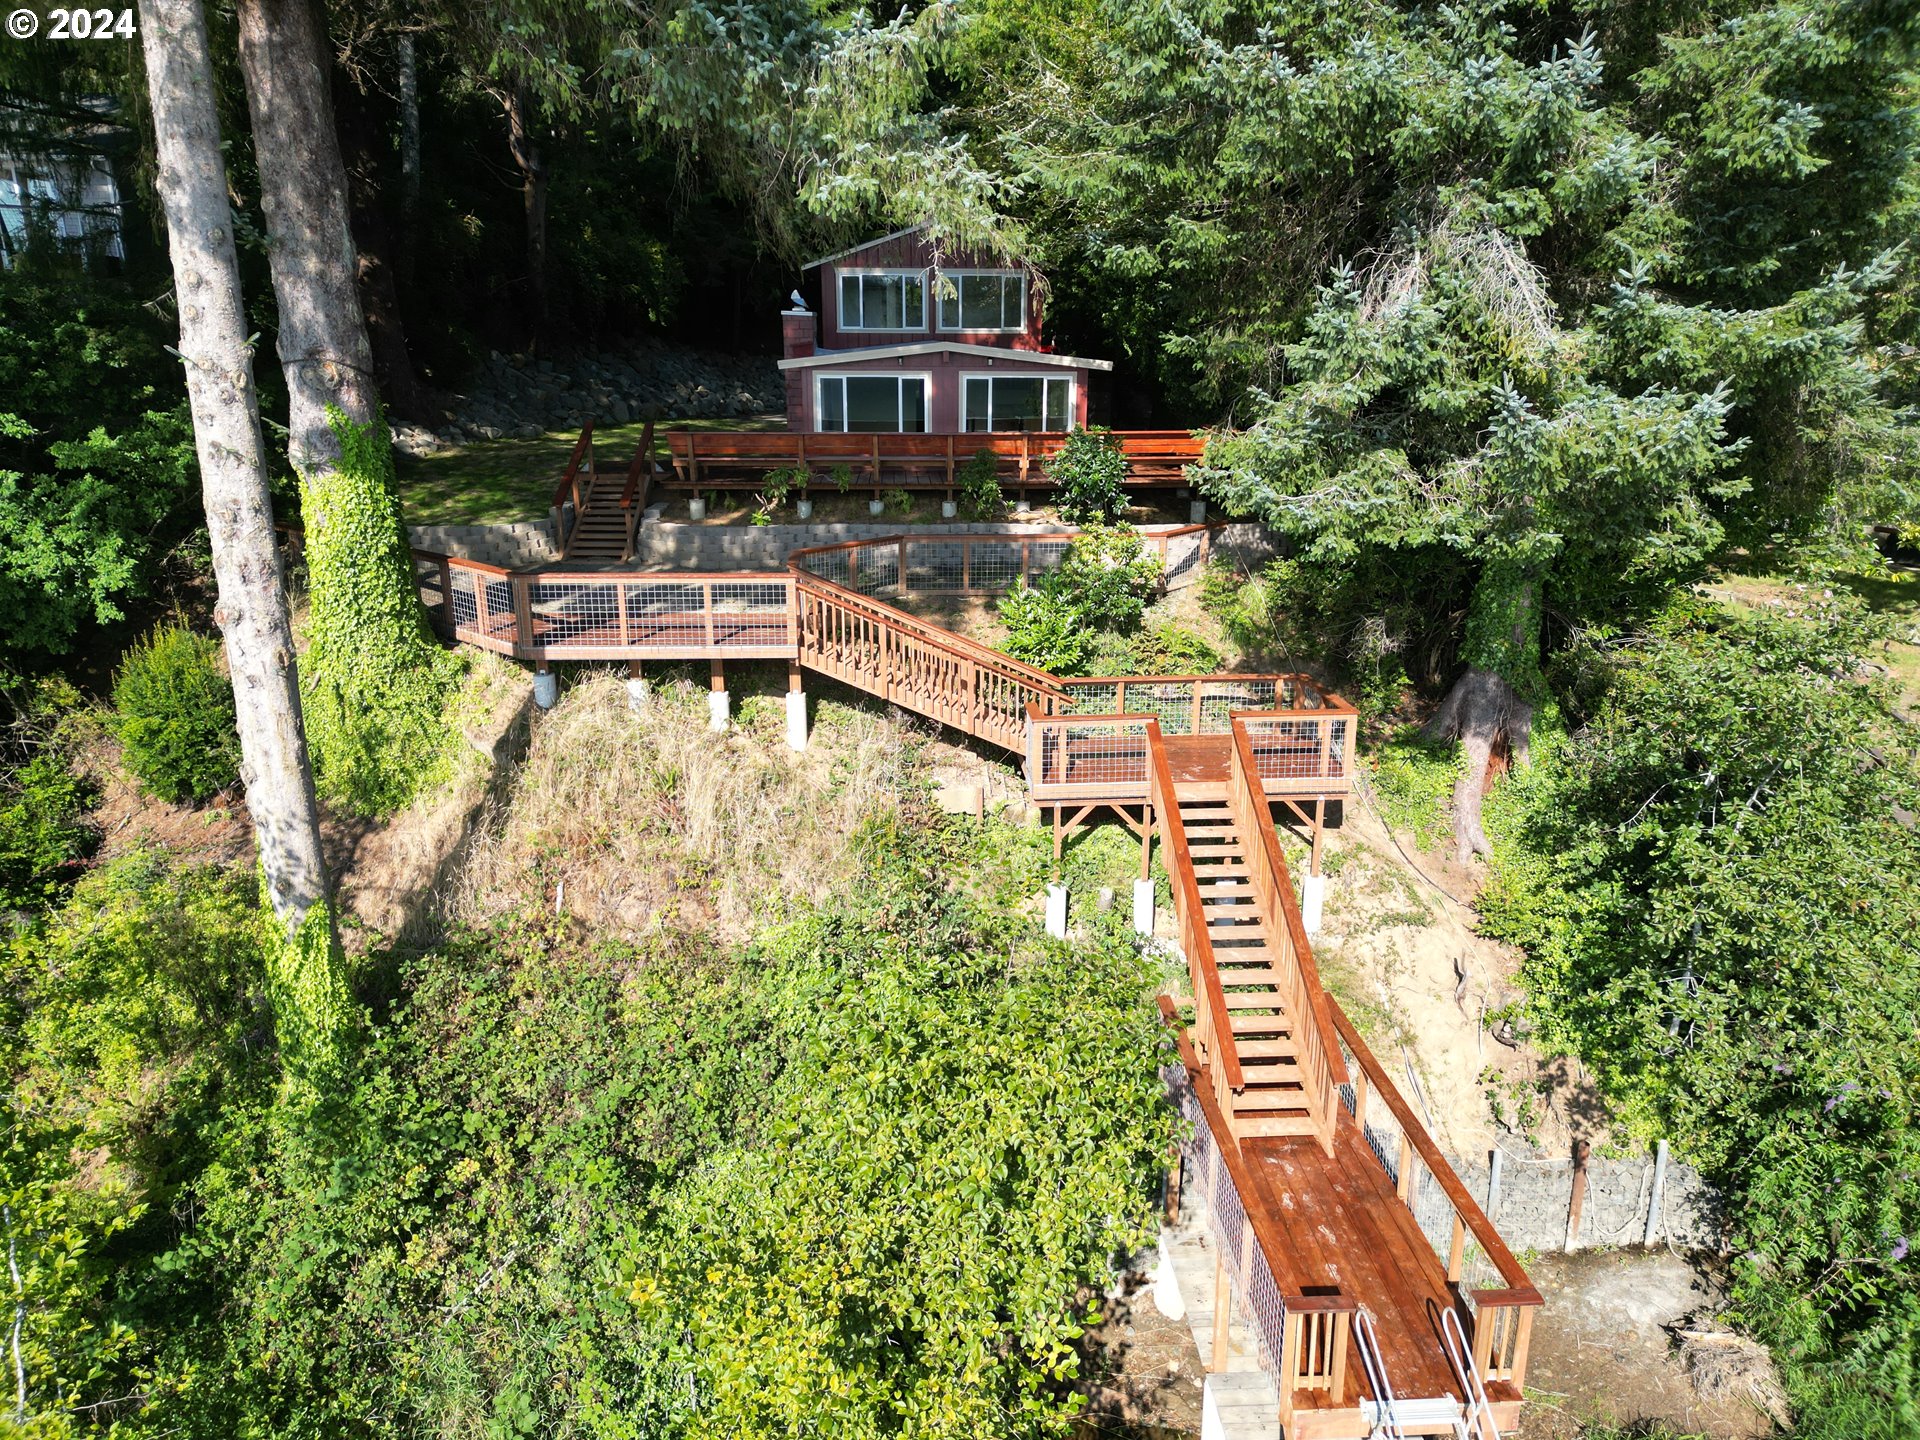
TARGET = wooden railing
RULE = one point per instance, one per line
(633, 496)
(959, 564)
(724, 459)
(1295, 977)
(600, 615)
(1302, 753)
(1301, 1340)
(571, 491)
(1480, 1267)
(904, 659)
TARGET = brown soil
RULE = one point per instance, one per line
(1604, 1348)
(1142, 1374)
(130, 819)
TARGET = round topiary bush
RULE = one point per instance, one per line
(174, 717)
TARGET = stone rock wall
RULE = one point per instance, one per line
(519, 395)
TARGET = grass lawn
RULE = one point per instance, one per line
(1893, 591)
(495, 481)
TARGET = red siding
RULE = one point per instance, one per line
(915, 252)
(944, 372)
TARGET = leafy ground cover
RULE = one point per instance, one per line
(824, 1125)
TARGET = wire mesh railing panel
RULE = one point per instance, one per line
(1045, 555)
(665, 614)
(1101, 697)
(1288, 749)
(1111, 755)
(937, 566)
(1220, 697)
(993, 566)
(575, 612)
(750, 612)
(876, 569)
(1170, 702)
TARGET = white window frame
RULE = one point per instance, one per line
(842, 274)
(956, 276)
(925, 377)
(967, 377)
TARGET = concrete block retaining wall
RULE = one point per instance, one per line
(515, 546)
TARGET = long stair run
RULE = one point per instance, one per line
(1274, 1100)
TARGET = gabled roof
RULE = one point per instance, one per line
(863, 245)
(934, 347)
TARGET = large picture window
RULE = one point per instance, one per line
(876, 404)
(885, 300)
(1017, 402)
(983, 300)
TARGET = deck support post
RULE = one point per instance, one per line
(796, 708)
(1057, 911)
(1222, 1314)
(638, 692)
(546, 686)
(719, 703)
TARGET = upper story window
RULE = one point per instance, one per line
(883, 300)
(983, 300)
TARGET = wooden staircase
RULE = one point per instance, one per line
(1273, 1100)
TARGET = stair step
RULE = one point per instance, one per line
(1261, 1024)
(1255, 1127)
(1253, 1000)
(1277, 1073)
(1263, 1050)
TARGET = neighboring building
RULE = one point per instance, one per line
(74, 202)
(895, 342)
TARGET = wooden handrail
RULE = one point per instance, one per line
(1179, 867)
(565, 487)
(1520, 1290)
(641, 467)
(958, 646)
(1269, 841)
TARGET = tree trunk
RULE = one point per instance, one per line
(252, 611)
(533, 190)
(303, 194)
(1485, 707)
(409, 161)
(399, 385)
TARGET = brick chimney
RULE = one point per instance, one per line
(798, 329)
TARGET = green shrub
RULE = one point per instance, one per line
(980, 496)
(1089, 474)
(174, 715)
(1045, 628)
(1174, 650)
(44, 829)
(1100, 590)
(1109, 576)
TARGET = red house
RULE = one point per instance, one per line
(901, 341)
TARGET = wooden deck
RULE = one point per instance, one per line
(1338, 1216)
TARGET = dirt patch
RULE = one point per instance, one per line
(1142, 1374)
(1401, 953)
(1605, 1348)
(217, 833)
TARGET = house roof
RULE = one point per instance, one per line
(935, 347)
(863, 245)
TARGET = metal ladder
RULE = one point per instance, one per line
(1385, 1418)
(1478, 1422)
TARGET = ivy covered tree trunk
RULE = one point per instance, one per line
(375, 680)
(312, 1004)
(1491, 703)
